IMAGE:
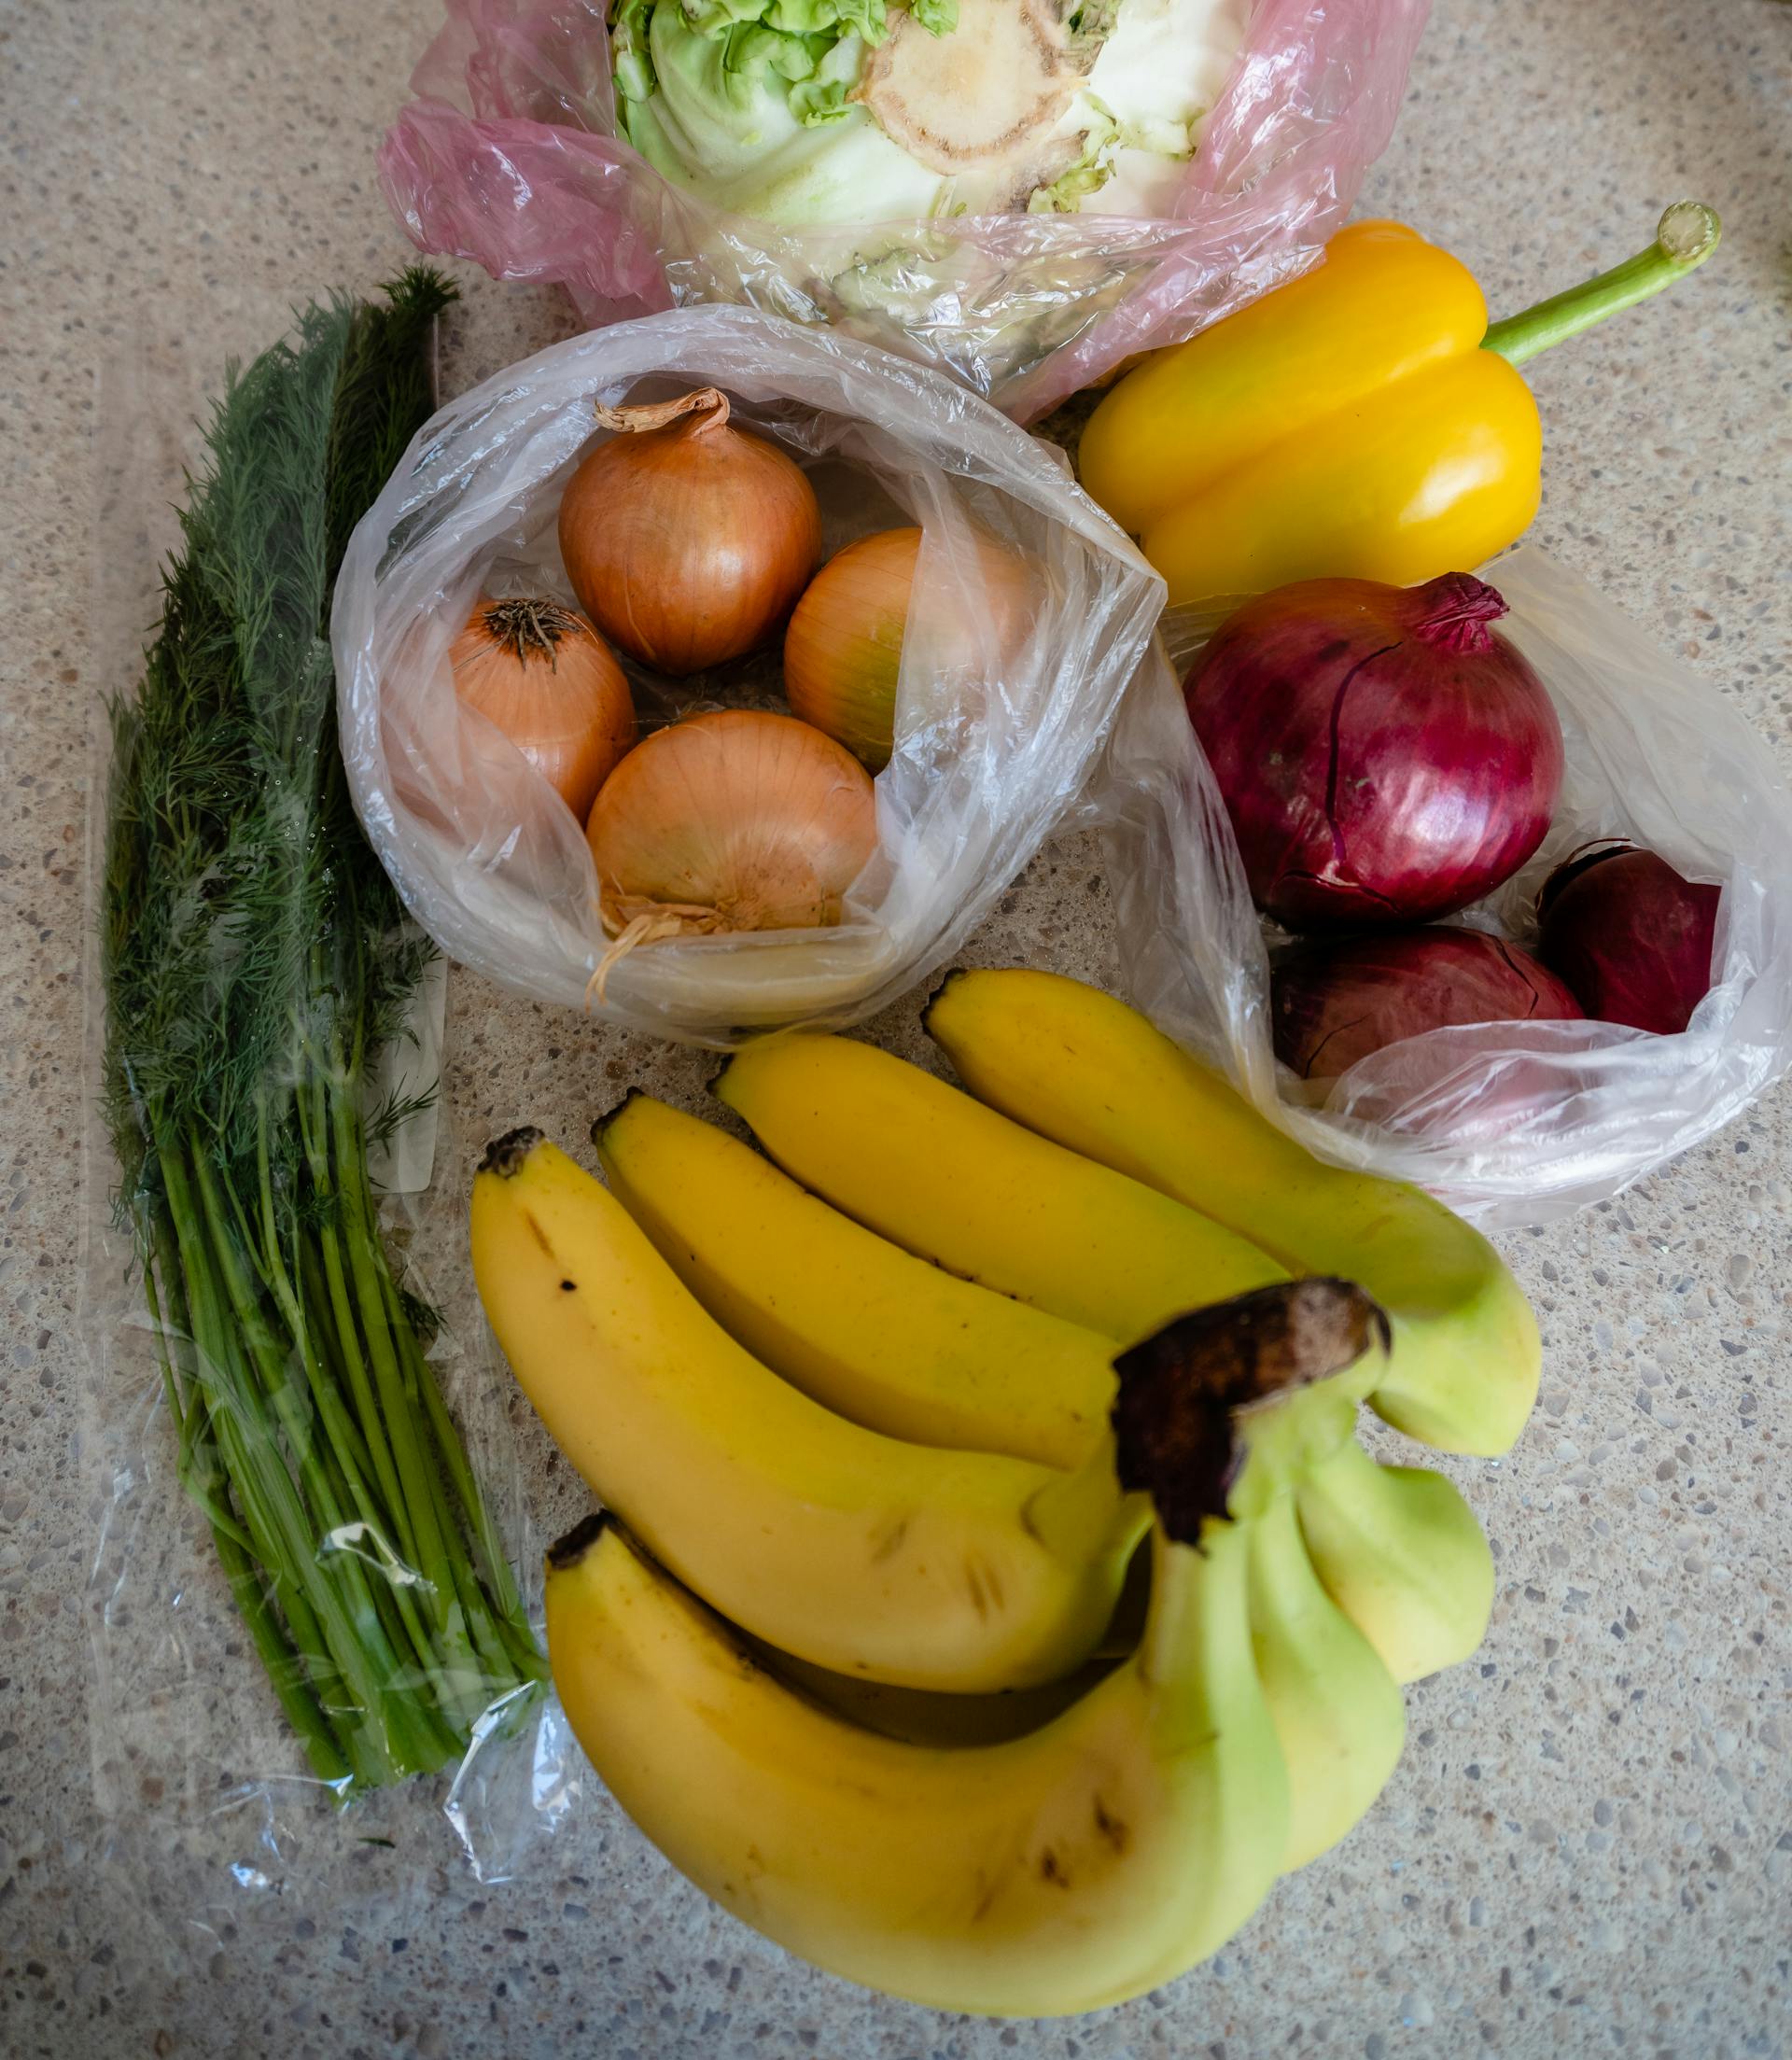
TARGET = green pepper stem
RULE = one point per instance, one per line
(1685, 237)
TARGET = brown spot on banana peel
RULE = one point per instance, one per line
(979, 1602)
(1182, 1388)
(1051, 1868)
(984, 1585)
(1110, 1828)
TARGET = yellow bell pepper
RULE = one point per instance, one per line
(1361, 422)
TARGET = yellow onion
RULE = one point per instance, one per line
(738, 819)
(545, 678)
(843, 650)
(687, 540)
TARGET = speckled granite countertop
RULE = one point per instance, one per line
(1588, 1847)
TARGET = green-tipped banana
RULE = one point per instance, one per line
(1401, 1554)
(1337, 1709)
(1081, 1068)
(881, 1337)
(1084, 1863)
(950, 1180)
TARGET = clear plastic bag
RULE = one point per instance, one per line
(989, 753)
(510, 156)
(1510, 1122)
(195, 1762)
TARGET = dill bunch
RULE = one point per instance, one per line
(255, 958)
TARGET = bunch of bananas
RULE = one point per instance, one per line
(865, 1640)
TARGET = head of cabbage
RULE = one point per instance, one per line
(833, 111)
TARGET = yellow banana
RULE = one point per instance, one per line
(856, 1322)
(1401, 1554)
(1092, 1075)
(1337, 1709)
(1084, 1863)
(951, 1180)
(919, 1162)
(966, 1571)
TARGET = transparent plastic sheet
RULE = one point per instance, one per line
(989, 753)
(203, 1785)
(1510, 1123)
(510, 156)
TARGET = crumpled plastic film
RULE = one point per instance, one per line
(1510, 1122)
(510, 156)
(989, 754)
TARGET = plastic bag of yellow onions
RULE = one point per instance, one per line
(564, 550)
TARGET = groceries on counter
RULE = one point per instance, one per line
(880, 1428)
(990, 1596)
(990, 1592)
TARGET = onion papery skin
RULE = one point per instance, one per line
(1384, 756)
(736, 820)
(688, 543)
(843, 650)
(1630, 935)
(1334, 1003)
(546, 678)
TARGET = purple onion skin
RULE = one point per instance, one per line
(1384, 755)
(1334, 1003)
(1629, 936)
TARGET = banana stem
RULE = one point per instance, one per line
(1284, 1440)
(1685, 237)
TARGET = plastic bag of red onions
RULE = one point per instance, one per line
(1549, 1105)
(569, 673)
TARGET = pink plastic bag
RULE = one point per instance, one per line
(509, 155)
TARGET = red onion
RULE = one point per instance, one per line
(1334, 1003)
(1629, 936)
(1385, 757)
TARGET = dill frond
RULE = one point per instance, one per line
(255, 958)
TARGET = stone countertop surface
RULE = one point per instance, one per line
(1588, 1846)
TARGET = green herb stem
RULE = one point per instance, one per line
(256, 961)
(235, 1554)
(278, 1535)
